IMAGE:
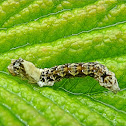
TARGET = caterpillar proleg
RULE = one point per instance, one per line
(48, 76)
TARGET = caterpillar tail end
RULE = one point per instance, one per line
(115, 88)
(110, 82)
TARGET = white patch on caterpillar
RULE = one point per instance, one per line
(41, 84)
(48, 76)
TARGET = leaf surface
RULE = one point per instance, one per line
(49, 33)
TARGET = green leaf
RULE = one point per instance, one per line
(54, 32)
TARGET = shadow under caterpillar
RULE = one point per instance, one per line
(48, 76)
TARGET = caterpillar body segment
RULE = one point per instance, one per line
(48, 76)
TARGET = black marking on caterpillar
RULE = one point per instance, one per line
(48, 76)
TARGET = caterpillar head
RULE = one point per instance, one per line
(24, 69)
(16, 66)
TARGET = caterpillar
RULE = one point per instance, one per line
(48, 76)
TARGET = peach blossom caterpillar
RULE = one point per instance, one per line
(48, 76)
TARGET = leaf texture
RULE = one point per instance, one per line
(54, 32)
